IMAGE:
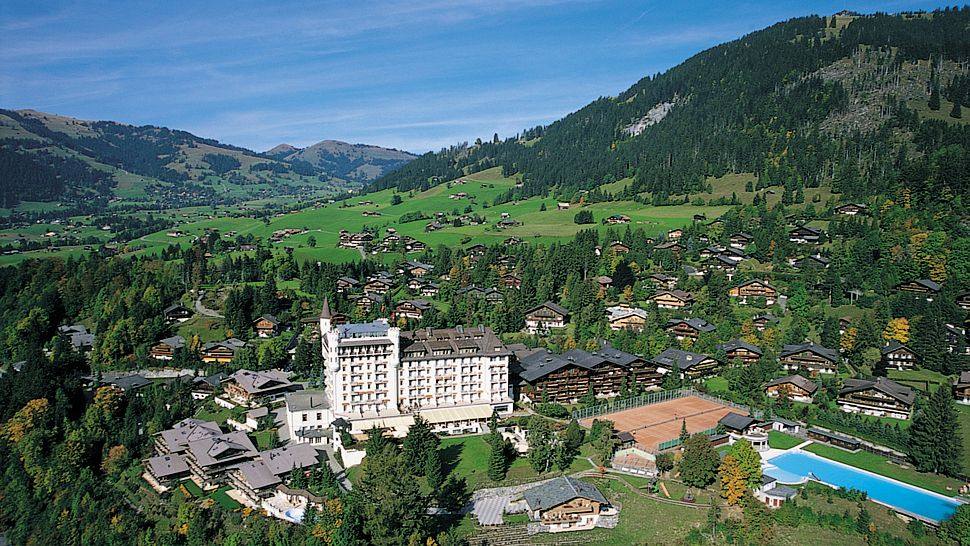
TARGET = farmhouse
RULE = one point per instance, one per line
(737, 349)
(690, 328)
(755, 288)
(880, 397)
(176, 313)
(805, 235)
(793, 387)
(266, 326)
(809, 357)
(672, 299)
(566, 504)
(899, 356)
(544, 317)
(924, 287)
(165, 349)
(221, 351)
(622, 317)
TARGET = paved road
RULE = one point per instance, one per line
(205, 311)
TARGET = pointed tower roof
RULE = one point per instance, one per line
(325, 310)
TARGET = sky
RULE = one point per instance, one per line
(414, 75)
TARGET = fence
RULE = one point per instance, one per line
(662, 446)
(654, 398)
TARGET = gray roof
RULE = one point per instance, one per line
(698, 324)
(735, 344)
(560, 490)
(175, 342)
(261, 382)
(538, 363)
(964, 379)
(227, 447)
(165, 466)
(188, 430)
(797, 380)
(130, 382)
(782, 492)
(828, 354)
(888, 387)
(736, 421)
(677, 359)
(307, 400)
(895, 346)
(929, 284)
(556, 308)
(284, 459)
(258, 475)
(377, 328)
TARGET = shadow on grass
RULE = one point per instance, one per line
(450, 456)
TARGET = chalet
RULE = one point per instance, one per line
(672, 246)
(737, 349)
(429, 289)
(476, 250)
(844, 324)
(210, 459)
(251, 388)
(880, 397)
(793, 387)
(741, 240)
(617, 219)
(809, 357)
(380, 285)
(266, 326)
(675, 233)
(925, 287)
(562, 205)
(805, 235)
(221, 352)
(710, 251)
(570, 376)
(764, 321)
(961, 388)
(490, 295)
(690, 328)
(744, 427)
(816, 261)
(666, 282)
(354, 240)
(413, 245)
(956, 339)
(541, 318)
(619, 247)
(512, 241)
(626, 318)
(165, 470)
(963, 301)
(416, 268)
(604, 282)
(566, 504)
(176, 313)
(433, 226)
(510, 280)
(507, 223)
(672, 299)
(78, 336)
(755, 288)
(723, 262)
(166, 348)
(411, 309)
(259, 479)
(686, 364)
(206, 386)
(898, 356)
(126, 383)
(346, 284)
(414, 284)
(366, 302)
(851, 209)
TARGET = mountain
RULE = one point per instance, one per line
(358, 162)
(46, 157)
(807, 102)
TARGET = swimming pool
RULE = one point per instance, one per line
(796, 466)
(294, 514)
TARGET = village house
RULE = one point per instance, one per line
(851, 209)
(365, 303)
(622, 317)
(672, 246)
(675, 233)
(544, 317)
(266, 326)
(166, 348)
(764, 321)
(754, 288)
(618, 247)
(416, 269)
(686, 364)
(688, 328)
(205, 386)
(176, 313)
(308, 417)
(772, 493)
(411, 309)
(805, 235)
(617, 219)
(961, 388)
(379, 285)
(210, 459)
(562, 205)
(898, 356)
(510, 280)
(963, 301)
(810, 358)
(880, 397)
(544, 375)
(744, 427)
(738, 349)
(816, 261)
(566, 504)
(672, 299)
(258, 479)
(250, 388)
(956, 339)
(663, 281)
(925, 287)
(741, 240)
(221, 352)
(490, 295)
(78, 336)
(429, 289)
(793, 387)
(604, 283)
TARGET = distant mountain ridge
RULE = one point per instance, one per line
(357, 162)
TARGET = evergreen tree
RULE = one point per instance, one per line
(433, 469)
(497, 461)
(699, 463)
(956, 112)
(934, 102)
(935, 441)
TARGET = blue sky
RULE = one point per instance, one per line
(411, 75)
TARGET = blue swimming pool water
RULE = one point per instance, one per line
(794, 466)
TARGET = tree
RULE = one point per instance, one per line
(733, 483)
(376, 441)
(419, 444)
(541, 447)
(433, 469)
(956, 111)
(897, 329)
(395, 199)
(698, 465)
(957, 527)
(749, 461)
(584, 217)
(934, 102)
(497, 460)
(684, 435)
(311, 241)
(935, 441)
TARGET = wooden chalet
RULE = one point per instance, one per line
(880, 397)
(617, 219)
(925, 287)
(806, 235)
(738, 349)
(663, 281)
(961, 388)
(816, 261)
(346, 284)
(565, 504)
(956, 339)
(411, 309)
(266, 326)
(675, 233)
(544, 317)
(754, 288)
(687, 365)
(672, 246)
(618, 247)
(741, 240)
(510, 280)
(898, 356)
(672, 299)
(367, 302)
(177, 313)
(381, 285)
(764, 321)
(166, 348)
(622, 317)
(810, 358)
(221, 352)
(429, 289)
(691, 328)
(793, 387)
(963, 301)
(851, 209)
(416, 269)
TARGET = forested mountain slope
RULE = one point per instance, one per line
(855, 102)
(357, 162)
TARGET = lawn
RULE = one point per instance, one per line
(879, 465)
(717, 384)
(224, 500)
(264, 439)
(192, 488)
(924, 380)
(780, 440)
